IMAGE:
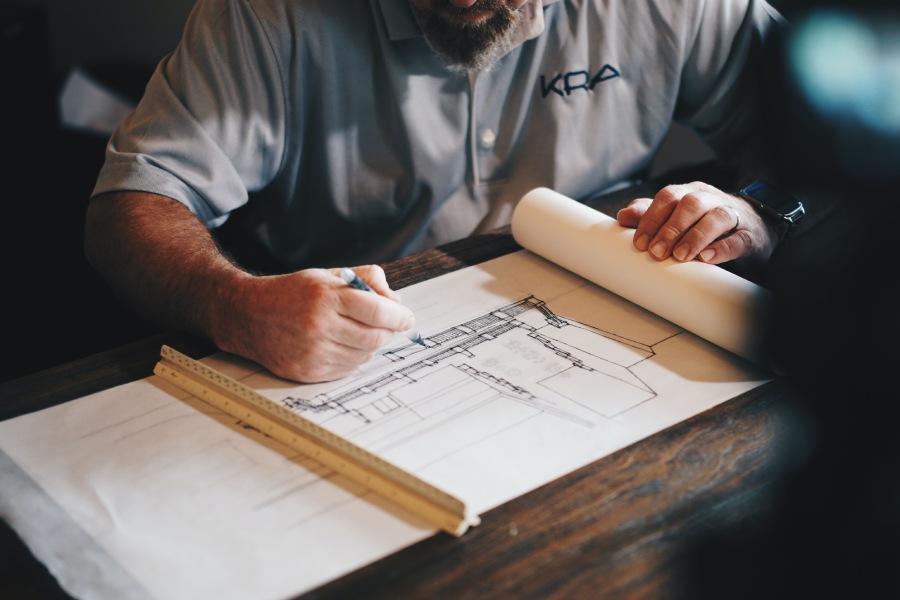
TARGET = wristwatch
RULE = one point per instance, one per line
(778, 207)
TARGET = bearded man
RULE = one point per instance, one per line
(354, 132)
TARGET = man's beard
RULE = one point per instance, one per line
(469, 46)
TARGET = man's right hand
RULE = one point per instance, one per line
(307, 326)
(311, 326)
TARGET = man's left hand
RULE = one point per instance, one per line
(698, 221)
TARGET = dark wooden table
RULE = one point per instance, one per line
(626, 526)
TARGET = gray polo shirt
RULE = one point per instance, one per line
(350, 141)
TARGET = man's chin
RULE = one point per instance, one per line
(479, 63)
(473, 44)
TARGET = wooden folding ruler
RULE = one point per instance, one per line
(430, 503)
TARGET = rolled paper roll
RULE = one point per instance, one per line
(707, 300)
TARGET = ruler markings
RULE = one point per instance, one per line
(434, 505)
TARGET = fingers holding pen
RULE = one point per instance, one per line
(310, 325)
(376, 316)
(374, 276)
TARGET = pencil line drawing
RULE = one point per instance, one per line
(521, 352)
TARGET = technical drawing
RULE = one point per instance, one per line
(520, 352)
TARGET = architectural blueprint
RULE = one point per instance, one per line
(520, 352)
(529, 372)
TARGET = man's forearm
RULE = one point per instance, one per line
(161, 260)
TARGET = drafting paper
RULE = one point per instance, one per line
(530, 372)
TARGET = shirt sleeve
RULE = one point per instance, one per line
(210, 126)
(719, 96)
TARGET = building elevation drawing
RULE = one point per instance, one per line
(521, 352)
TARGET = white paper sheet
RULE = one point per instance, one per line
(530, 372)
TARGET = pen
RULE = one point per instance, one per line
(355, 281)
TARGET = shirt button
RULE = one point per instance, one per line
(487, 138)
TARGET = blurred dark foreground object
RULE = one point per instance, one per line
(833, 128)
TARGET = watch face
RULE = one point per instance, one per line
(774, 201)
(770, 196)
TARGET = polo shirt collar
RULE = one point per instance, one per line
(401, 24)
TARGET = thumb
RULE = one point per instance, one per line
(631, 215)
(375, 277)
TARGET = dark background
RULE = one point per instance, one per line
(55, 309)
